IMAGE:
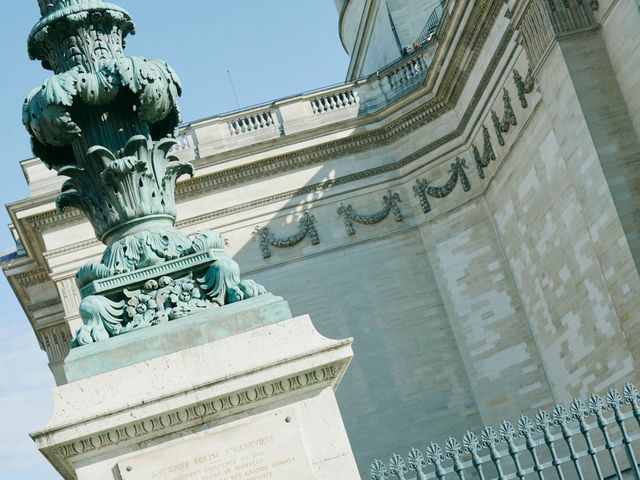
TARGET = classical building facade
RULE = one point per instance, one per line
(466, 206)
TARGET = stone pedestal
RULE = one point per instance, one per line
(205, 398)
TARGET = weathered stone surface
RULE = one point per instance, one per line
(196, 329)
(242, 382)
(265, 446)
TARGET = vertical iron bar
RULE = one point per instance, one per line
(453, 450)
(579, 412)
(614, 401)
(526, 428)
(561, 418)
(489, 439)
(508, 433)
(471, 444)
(543, 422)
(435, 457)
(597, 406)
(631, 396)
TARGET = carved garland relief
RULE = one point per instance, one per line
(423, 188)
(502, 126)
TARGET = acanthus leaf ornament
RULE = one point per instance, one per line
(107, 121)
(168, 297)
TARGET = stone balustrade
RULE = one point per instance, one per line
(251, 123)
(287, 116)
(409, 72)
(183, 142)
(335, 101)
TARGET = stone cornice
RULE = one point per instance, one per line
(32, 277)
(188, 416)
(54, 217)
(480, 22)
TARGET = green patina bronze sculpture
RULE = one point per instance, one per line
(107, 122)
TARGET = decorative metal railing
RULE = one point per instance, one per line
(588, 441)
(433, 22)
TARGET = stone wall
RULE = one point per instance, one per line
(552, 241)
(490, 326)
(407, 380)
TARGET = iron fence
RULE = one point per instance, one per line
(592, 440)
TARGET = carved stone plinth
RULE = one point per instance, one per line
(249, 404)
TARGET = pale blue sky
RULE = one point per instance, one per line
(273, 49)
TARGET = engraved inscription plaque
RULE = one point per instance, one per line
(266, 448)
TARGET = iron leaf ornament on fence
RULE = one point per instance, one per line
(593, 440)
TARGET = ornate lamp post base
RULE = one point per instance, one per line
(255, 402)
